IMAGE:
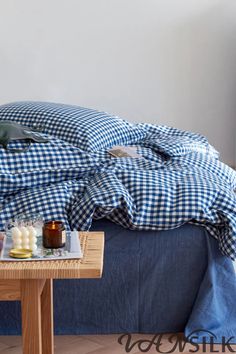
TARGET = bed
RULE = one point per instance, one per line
(169, 218)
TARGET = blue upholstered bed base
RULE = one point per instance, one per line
(168, 281)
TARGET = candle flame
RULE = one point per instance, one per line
(53, 225)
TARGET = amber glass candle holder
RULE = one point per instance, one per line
(54, 234)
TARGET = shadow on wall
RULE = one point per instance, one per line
(198, 75)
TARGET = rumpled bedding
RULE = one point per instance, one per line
(178, 179)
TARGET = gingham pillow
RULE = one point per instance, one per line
(85, 128)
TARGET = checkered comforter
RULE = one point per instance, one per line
(178, 179)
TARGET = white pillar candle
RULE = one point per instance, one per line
(24, 237)
(15, 232)
(16, 241)
(24, 232)
(32, 232)
(16, 237)
(33, 246)
(32, 238)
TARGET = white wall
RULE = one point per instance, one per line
(162, 61)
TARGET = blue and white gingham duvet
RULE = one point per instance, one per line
(179, 179)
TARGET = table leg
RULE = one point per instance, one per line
(47, 318)
(31, 316)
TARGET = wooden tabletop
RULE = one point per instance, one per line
(90, 266)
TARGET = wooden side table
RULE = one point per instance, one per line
(32, 284)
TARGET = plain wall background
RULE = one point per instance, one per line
(162, 61)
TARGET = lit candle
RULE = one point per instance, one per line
(54, 234)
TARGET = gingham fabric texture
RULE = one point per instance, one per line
(82, 127)
(174, 142)
(165, 188)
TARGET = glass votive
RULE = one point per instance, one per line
(54, 234)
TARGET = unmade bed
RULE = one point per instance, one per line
(169, 217)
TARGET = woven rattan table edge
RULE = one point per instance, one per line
(90, 266)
